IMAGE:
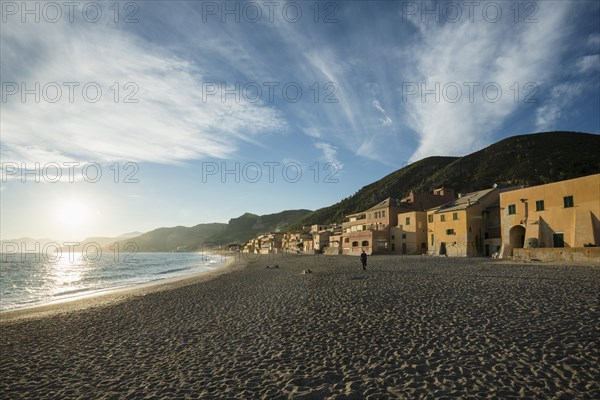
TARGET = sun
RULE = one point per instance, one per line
(73, 214)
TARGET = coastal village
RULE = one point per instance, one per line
(557, 221)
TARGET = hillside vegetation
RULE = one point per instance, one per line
(203, 236)
(519, 160)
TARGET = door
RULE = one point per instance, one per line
(558, 240)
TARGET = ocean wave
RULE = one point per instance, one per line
(169, 271)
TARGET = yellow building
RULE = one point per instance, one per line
(410, 236)
(559, 214)
(371, 230)
(466, 227)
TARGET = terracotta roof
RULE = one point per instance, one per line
(464, 202)
(389, 202)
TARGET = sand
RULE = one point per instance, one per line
(406, 328)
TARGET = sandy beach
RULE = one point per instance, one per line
(405, 328)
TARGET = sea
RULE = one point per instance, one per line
(33, 279)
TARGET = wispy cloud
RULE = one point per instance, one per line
(312, 132)
(377, 105)
(593, 41)
(498, 54)
(589, 63)
(173, 122)
(385, 120)
(329, 153)
(170, 122)
(560, 96)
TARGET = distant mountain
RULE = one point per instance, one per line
(130, 234)
(519, 160)
(247, 226)
(93, 241)
(28, 245)
(178, 238)
(196, 238)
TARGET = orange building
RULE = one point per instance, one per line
(371, 230)
(559, 214)
(410, 236)
(466, 227)
(293, 242)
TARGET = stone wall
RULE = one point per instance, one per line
(573, 254)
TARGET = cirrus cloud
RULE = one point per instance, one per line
(150, 106)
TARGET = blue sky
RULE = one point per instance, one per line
(175, 92)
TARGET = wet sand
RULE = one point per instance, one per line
(406, 328)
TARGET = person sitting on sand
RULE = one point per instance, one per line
(363, 260)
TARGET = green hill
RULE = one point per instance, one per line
(247, 226)
(238, 230)
(519, 160)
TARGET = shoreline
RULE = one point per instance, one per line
(440, 328)
(117, 295)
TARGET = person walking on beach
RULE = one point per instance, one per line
(363, 260)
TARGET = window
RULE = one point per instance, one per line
(369, 215)
(432, 239)
(407, 220)
(486, 235)
(568, 201)
(383, 214)
(430, 218)
(393, 237)
(376, 214)
(512, 209)
(365, 243)
(449, 231)
(346, 240)
(404, 236)
(442, 218)
(354, 244)
(539, 205)
(455, 216)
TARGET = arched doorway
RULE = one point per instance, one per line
(517, 236)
